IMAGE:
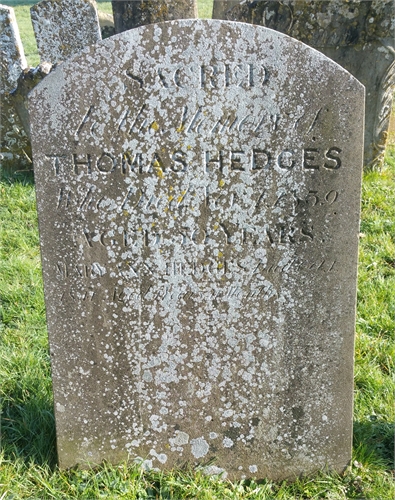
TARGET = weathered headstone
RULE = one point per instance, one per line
(14, 145)
(133, 13)
(223, 8)
(198, 189)
(357, 34)
(28, 79)
(64, 27)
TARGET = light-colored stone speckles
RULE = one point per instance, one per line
(180, 439)
(358, 34)
(64, 27)
(13, 59)
(198, 194)
(200, 447)
(130, 14)
(14, 145)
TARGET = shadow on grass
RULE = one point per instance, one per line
(374, 442)
(28, 432)
(25, 177)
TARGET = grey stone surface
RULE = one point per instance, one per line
(357, 34)
(223, 8)
(133, 13)
(14, 144)
(64, 27)
(27, 80)
(198, 190)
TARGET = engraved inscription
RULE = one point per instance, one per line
(132, 119)
(217, 76)
(257, 277)
(167, 162)
(223, 232)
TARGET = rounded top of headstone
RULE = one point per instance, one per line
(167, 37)
(146, 56)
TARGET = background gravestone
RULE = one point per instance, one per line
(199, 216)
(27, 80)
(222, 8)
(133, 13)
(358, 34)
(64, 27)
(15, 149)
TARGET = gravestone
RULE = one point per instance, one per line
(15, 149)
(133, 13)
(358, 34)
(198, 189)
(223, 8)
(28, 79)
(64, 27)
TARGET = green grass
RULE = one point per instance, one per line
(205, 8)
